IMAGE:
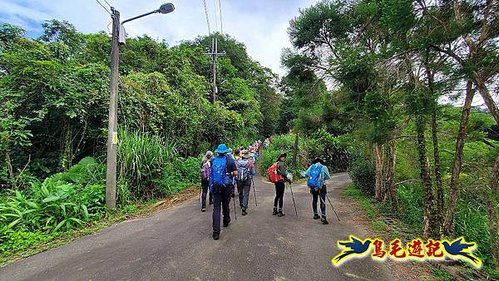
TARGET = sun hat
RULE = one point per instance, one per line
(222, 149)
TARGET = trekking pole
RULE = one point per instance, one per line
(331, 206)
(254, 190)
(235, 212)
(293, 196)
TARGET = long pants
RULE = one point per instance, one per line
(279, 194)
(221, 198)
(243, 188)
(204, 186)
(315, 196)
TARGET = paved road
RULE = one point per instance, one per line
(176, 244)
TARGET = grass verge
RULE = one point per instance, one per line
(137, 210)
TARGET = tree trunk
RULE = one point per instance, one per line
(425, 178)
(448, 225)
(390, 174)
(378, 156)
(493, 204)
(438, 174)
(436, 156)
(484, 92)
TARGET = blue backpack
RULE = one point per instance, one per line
(219, 171)
(314, 177)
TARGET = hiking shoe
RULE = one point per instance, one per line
(226, 223)
(275, 212)
(216, 236)
(316, 217)
(203, 209)
(324, 220)
(280, 214)
(244, 213)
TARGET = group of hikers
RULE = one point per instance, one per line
(224, 170)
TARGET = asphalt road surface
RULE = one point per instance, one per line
(176, 244)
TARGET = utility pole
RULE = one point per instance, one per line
(214, 54)
(117, 37)
(112, 138)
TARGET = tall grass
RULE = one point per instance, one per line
(142, 158)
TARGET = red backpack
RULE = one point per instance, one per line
(273, 175)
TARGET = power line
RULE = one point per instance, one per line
(207, 18)
(103, 7)
(108, 3)
(220, 12)
(216, 16)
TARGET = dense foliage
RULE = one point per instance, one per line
(53, 124)
(375, 73)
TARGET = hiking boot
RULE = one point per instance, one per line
(226, 223)
(316, 217)
(280, 213)
(216, 236)
(203, 209)
(324, 220)
(274, 212)
(244, 213)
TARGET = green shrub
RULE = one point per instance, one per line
(329, 148)
(12, 241)
(62, 202)
(362, 172)
(411, 202)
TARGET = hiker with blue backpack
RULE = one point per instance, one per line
(245, 173)
(317, 175)
(205, 179)
(223, 172)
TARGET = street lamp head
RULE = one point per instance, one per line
(166, 8)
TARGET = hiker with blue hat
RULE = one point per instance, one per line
(317, 175)
(223, 171)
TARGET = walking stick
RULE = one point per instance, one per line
(254, 190)
(235, 212)
(293, 196)
(331, 206)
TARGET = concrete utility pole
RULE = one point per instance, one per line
(112, 138)
(214, 54)
(118, 35)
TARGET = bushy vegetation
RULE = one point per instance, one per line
(53, 125)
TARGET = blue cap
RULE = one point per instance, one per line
(222, 148)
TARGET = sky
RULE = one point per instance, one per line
(260, 24)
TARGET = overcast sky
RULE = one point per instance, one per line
(260, 24)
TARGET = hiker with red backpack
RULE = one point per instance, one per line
(245, 173)
(317, 175)
(223, 171)
(278, 175)
(205, 179)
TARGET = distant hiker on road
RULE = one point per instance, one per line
(277, 174)
(317, 175)
(245, 173)
(223, 171)
(205, 179)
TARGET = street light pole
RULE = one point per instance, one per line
(112, 137)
